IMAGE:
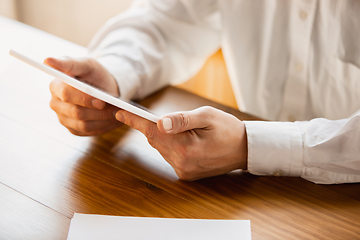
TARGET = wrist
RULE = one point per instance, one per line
(243, 148)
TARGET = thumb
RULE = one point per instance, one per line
(69, 66)
(183, 121)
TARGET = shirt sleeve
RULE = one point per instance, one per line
(321, 150)
(156, 43)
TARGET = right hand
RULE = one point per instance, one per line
(200, 143)
(81, 114)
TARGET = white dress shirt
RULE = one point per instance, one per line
(287, 61)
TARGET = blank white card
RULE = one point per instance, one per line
(96, 227)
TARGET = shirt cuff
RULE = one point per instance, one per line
(274, 148)
(126, 78)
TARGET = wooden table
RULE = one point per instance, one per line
(48, 174)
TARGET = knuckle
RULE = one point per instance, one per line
(52, 86)
(127, 120)
(91, 62)
(184, 120)
(64, 94)
(207, 111)
(85, 100)
(149, 133)
(61, 120)
(74, 132)
(77, 113)
(207, 108)
(70, 66)
(83, 126)
(52, 104)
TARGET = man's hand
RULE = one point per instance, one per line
(80, 113)
(200, 143)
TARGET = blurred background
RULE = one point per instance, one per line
(78, 20)
(74, 20)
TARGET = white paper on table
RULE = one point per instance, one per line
(96, 227)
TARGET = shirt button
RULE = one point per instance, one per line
(277, 173)
(303, 15)
(299, 67)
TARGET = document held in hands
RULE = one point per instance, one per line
(91, 227)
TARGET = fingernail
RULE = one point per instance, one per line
(167, 124)
(98, 104)
(120, 117)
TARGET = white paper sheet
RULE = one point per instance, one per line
(96, 227)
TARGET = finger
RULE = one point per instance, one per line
(147, 127)
(69, 94)
(183, 121)
(85, 126)
(70, 66)
(82, 113)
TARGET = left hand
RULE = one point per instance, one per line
(201, 143)
(80, 113)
